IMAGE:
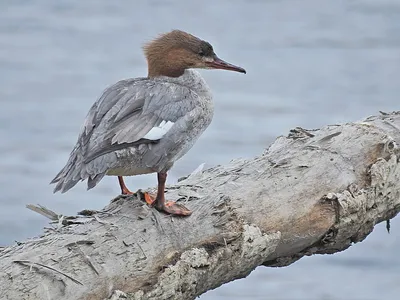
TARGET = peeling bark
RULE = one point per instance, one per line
(311, 192)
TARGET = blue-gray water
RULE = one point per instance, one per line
(309, 63)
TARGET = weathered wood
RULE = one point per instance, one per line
(312, 192)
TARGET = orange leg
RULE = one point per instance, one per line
(124, 189)
(159, 202)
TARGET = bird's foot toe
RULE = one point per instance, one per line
(169, 207)
(174, 208)
(148, 198)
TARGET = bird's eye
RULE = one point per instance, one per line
(205, 49)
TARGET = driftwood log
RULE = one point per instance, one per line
(312, 192)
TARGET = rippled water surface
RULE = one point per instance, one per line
(309, 63)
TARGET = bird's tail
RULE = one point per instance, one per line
(74, 171)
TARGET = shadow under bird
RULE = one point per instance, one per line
(143, 125)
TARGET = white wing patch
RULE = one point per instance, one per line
(159, 131)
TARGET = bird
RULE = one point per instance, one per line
(144, 125)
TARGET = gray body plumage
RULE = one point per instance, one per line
(139, 126)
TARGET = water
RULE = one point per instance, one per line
(310, 63)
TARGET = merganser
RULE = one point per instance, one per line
(143, 125)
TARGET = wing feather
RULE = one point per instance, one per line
(132, 112)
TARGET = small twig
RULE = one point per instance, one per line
(31, 263)
(43, 211)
